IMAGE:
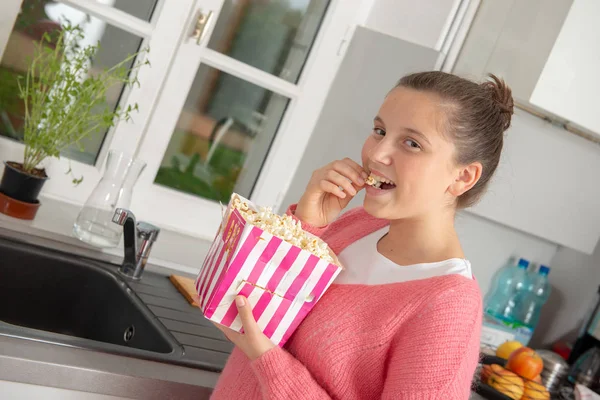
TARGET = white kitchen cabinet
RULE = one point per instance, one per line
(569, 85)
(25, 391)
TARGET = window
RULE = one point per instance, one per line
(227, 124)
(221, 132)
(226, 106)
(284, 31)
(233, 117)
(119, 34)
(35, 19)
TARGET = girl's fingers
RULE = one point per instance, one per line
(329, 187)
(350, 170)
(245, 312)
(341, 181)
(357, 167)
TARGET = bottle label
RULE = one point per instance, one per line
(495, 332)
(494, 337)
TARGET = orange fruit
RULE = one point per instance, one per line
(506, 349)
(525, 362)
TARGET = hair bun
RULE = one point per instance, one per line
(502, 96)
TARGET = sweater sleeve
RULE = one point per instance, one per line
(435, 355)
(281, 377)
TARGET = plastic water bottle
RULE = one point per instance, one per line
(509, 280)
(529, 305)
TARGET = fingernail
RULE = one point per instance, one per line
(365, 175)
(240, 301)
(361, 181)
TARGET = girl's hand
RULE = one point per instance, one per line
(324, 199)
(252, 342)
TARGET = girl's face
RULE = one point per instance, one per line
(407, 146)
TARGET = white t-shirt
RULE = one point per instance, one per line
(364, 265)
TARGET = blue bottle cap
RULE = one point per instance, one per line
(523, 263)
(544, 270)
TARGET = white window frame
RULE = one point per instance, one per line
(199, 217)
(162, 40)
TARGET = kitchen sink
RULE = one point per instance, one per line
(67, 300)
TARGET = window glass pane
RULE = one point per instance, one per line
(36, 18)
(141, 9)
(222, 136)
(275, 35)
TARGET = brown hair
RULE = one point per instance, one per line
(477, 116)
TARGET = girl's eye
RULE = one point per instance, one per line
(378, 132)
(412, 144)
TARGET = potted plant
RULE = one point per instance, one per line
(64, 101)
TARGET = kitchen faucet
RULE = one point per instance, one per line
(138, 238)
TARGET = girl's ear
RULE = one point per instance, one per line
(466, 177)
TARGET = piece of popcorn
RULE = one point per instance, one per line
(371, 181)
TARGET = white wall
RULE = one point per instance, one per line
(545, 184)
(489, 246)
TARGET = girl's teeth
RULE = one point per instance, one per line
(377, 181)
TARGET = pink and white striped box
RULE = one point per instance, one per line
(281, 281)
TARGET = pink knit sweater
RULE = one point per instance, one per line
(410, 340)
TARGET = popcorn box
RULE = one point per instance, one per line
(281, 281)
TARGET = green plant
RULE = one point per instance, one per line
(65, 99)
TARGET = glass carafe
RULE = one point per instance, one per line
(94, 223)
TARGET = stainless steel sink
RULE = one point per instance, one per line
(48, 296)
(69, 300)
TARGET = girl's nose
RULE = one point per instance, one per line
(382, 152)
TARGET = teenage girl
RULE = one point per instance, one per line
(403, 320)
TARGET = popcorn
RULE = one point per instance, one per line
(377, 181)
(285, 228)
(371, 180)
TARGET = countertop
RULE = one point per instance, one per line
(54, 221)
(46, 364)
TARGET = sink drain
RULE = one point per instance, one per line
(128, 334)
